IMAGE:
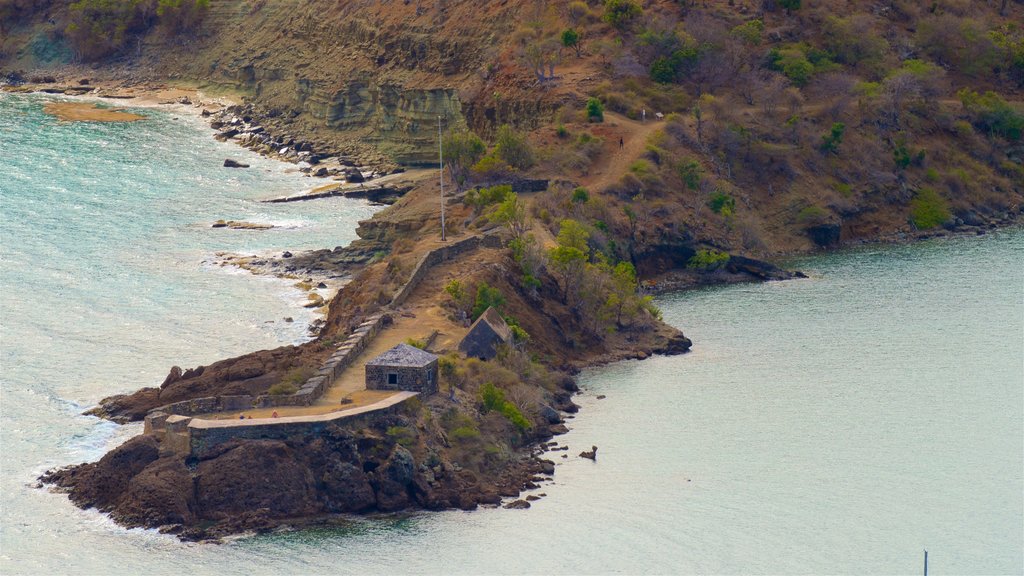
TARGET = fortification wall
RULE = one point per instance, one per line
(196, 437)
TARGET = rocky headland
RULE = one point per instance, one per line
(678, 146)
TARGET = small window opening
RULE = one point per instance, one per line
(392, 378)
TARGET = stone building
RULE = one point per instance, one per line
(403, 367)
(485, 335)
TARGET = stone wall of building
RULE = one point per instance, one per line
(423, 379)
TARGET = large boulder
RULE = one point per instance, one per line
(102, 484)
(161, 494)
(255, 475)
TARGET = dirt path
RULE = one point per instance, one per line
(614, 162)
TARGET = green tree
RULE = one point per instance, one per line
(595, 110)
(461, 151)
(572, 39)
(486, 297)
(512, 213)
(512, 147)
(620, 13)
(749, 32)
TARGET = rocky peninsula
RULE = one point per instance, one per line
(594, 157)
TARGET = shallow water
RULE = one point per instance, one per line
(839, 424)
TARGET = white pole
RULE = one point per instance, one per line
(440, 156)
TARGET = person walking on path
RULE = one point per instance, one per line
(622, 143)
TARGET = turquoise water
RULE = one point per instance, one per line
(839, 424)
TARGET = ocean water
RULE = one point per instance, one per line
(839, 424)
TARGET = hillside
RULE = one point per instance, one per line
(810, 126)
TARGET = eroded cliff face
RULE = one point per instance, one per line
(376, 73)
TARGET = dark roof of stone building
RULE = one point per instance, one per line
(490, 328)
(403, 355)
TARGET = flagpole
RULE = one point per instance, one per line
(440, 157)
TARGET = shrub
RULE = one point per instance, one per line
(928, 209)
(691, 173)
(580, 195)
(749, 32)
(992, 113)
(830, 142)
(708, 259)
(484, 197)
(416, 343)
(494, 400)
(619, 13)
(402, 435)
(464, 434)
(812, 216)
(595, 110)
(722, 203)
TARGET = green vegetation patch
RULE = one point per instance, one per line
(928, 209)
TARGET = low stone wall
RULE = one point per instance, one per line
(208, 404)
(438, 255)
(197, 437)
(340, 360)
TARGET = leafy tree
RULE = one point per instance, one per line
(486, 297)
(749, 32)
(620, 13)
(461, 151)
(572, 39)
(664, 70)
(98, 28)
(512, 147)
(572, 234)
(595, 110)
(793, 63)
(512, 213)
